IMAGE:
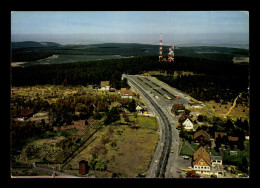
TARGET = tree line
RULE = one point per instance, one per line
(92, 72)
(82, 73)
(220, 88)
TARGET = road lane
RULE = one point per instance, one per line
(169, 138)
(166, 132)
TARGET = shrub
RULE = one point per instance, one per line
(100, 165)
(97, 116)
(48, 134)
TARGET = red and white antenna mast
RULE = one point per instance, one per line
(170, 54)
(160, 52)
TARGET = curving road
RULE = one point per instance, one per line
(158, 167)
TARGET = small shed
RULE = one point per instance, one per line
(83, 167)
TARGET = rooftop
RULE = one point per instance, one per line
(104, 83)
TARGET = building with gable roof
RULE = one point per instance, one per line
(124, 93)
(222, 134)
(187, 124)
(204, 163)
(201, 136)
(104, 85)
(201, 161)
(178, 109)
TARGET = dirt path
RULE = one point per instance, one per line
(234, 104)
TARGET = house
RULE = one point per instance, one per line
(183, 117)
(187, 124)
(104, 86)
(201, 136)
(126, 93)
(216, 165)
(25, 114)
(201, 161)
(232, 139)
(178, 108)
(222, 134)
(216, 160)
(138, 108)
(203, 139)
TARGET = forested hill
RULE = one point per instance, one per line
(29, 44)
(37, 54)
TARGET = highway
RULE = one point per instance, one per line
(153, 91)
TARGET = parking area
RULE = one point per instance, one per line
(181, 165)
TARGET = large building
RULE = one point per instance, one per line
(203, 163)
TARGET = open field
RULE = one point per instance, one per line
(127, 151)
(212, 109)
(147, 122)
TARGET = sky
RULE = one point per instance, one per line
(135, 26)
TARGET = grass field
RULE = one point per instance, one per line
(212, 109)
(147, 122)
(126, 151)
(185, 150)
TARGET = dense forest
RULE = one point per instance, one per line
(215, 76)
(219, 74)
(82, 73)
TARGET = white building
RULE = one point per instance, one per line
(104, 86)
(187, 124)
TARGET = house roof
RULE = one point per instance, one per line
(220, 133)
(179, 106)
(201, 153)
(26, 112)
(201, 133)
(139, 107)
(231, 138)
(104, 83)
(214, 157)
(187, 122)
(194, 103)
(126, 93)
(184, 117)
